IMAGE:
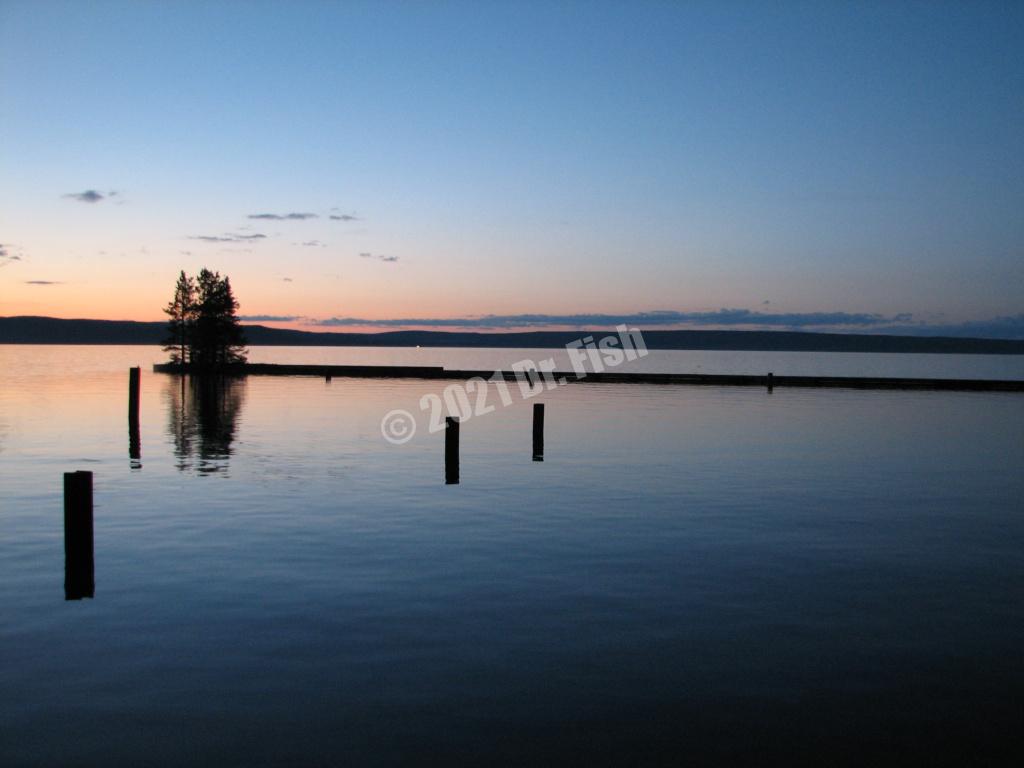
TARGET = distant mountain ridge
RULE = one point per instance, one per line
(51, 330)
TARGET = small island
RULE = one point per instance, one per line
(204, 334)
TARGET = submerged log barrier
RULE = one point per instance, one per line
(696, 379)
(538, 431)
(78, 540)
(451, 450)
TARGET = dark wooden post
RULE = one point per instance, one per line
(134, 442)
(538, 431)
(451, 450)
(133, 393)
(770, 381)
(78, 556)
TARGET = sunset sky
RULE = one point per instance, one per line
(801, 165)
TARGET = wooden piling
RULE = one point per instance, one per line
(134, 377)
(134, 442)
(451, 450)
(78, 536)
(538, 431)
(770, 381)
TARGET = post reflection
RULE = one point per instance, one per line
(202, 419)
(134, 444)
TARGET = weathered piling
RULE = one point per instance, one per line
(134, 377)
(451, 450)
(78, 544)
(134, 440)
(538, 431)
(770, 381)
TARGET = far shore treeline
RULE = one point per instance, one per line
(51, 330)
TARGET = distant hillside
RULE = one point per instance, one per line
(49, 330)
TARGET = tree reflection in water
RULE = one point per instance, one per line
(202, 419)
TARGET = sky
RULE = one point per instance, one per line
(505, 165)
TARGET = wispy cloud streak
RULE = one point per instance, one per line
(6, 257)
(228, 238)
(88, 196)
(722, 317)
(283, 216)
(1003, 327)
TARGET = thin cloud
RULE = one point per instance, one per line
(268, 318)
(283, 216)
(314, 244)
(742, 318)
(1001, 327)
(287, 280)
(6, 257)
(379, 257)
(903, 323)
(228, 238)
(343, 217)
(43, 282)
(89, 196)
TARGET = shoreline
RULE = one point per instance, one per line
(46, 330)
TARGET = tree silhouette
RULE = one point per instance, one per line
(205, 334)
(181, 311)
(217, 337)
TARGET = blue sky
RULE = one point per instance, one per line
(561, 159)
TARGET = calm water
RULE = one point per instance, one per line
(692, 575)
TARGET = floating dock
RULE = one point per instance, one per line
(565, 377)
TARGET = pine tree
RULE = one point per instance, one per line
(217, 339)
(181, 311)
(205, 334)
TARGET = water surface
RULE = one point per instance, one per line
(692, 574)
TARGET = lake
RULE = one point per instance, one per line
(692, 575)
